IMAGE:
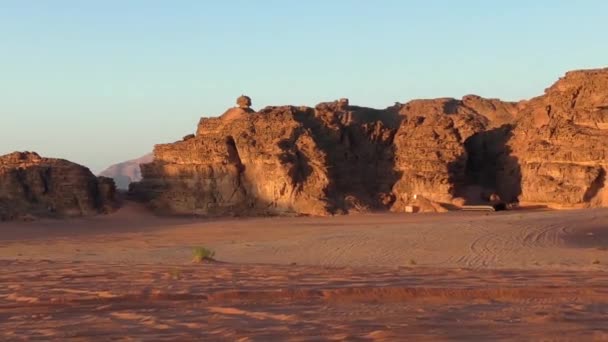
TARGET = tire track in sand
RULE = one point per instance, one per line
(508, 240)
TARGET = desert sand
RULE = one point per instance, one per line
(520, 274)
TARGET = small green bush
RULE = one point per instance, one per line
(176, 274)
(201, 254)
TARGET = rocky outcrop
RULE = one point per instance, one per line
(127, 172)
(32, 186)
(560, 141)
(340, 158)
(330, 159)
(262, 163)
(430, 154)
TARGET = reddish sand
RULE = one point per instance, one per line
(515, 275)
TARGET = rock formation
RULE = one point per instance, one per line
(560, 141)
(32, 186)
(256, 164)
(339, 158)
(127, 172)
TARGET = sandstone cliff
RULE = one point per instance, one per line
(260, 163)
(561, 142)
(32, 186)
(339, 158)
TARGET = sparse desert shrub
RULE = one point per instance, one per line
(176, 274)
(201, 254)
(413, 262)
(595, 262)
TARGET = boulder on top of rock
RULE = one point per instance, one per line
(244, 102)
(242, 110)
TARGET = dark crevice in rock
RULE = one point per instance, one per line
(490, 168)
(595, 187)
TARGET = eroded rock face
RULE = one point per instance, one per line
(281, 160)
(561, 142)
(430, 152)
(262, 163)
(339, 158)
(33, 186)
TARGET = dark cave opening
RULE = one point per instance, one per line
(492, 173)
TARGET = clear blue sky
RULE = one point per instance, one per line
(99, 82)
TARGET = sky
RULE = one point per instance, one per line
(100, 82)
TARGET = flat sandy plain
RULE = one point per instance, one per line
(516, 275)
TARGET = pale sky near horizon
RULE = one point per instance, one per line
(99, 82)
